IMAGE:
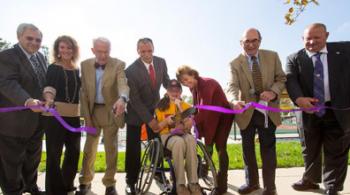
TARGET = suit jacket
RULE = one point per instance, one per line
(273, 79)
(143, 97)
(113, 85)
(209, 92)
(18, 82)
(300, 68)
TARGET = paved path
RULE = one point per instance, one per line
(284, 178)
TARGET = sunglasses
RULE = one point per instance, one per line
(38, 40)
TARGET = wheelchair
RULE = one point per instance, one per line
(153, 164)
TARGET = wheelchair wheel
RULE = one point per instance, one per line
(206, 170)
(148, 166)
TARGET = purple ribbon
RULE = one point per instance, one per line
(180, 132)
(55, 114)
(263, 107)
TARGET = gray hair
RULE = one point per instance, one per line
(24, 26)
(144, 41)
(102, 40)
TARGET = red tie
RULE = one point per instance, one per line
(152, 75)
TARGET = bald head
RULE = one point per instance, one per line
(250, 32)
(315, 37)
(250, 41)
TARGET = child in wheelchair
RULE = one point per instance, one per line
(176, 137)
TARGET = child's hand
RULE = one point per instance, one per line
(177, 102)
(169, 120)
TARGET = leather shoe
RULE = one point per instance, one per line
(83, 189)
(246, 189)
(34, 191)
(269, 192)
(111, 191)
(130, 189)
(331, 192)
(304, 185)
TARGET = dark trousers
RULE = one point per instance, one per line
(19, 161)
(313, 171)
(267, 139)
(325, 134)
(59, 181)
(133, 152)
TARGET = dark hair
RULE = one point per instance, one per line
(164, 103)
(70, 41)
(184, 69)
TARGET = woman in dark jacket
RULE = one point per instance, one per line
(213, 126)
(62, 90)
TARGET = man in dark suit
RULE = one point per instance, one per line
(318, 75)
(22, 75)
(145, 76)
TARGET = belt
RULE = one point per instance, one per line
(99, 104)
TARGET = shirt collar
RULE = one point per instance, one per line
(147, 64)
(25, 52)
(249, 57)
(310, 53)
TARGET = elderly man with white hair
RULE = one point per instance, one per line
(104, 95)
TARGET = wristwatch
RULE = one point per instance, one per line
(124, 98)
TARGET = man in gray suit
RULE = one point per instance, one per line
(22, 76)
(318, 75)
(145, 76)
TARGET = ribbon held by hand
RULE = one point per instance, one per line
(55, 114)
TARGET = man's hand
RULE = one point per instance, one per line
(34, 102)
(154, 125)
(49, 103)
(88, 123)
(119, 107)
(238, 105)
(268, 96)
(306, 103)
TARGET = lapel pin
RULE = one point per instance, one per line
(338, 52)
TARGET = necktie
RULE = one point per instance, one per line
(319, 84)
(39, 71)
(152, 76)
(97, 66)
(257, 78)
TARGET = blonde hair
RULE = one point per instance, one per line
(185, 69)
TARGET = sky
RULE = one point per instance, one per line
(201, 33)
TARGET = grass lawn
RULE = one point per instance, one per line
(288, 155)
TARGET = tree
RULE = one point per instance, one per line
(4, 44)
(296, 8)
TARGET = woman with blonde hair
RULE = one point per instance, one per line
(62, 92)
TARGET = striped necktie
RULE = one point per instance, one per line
(319, 84)
(38, 69)
(257, 78)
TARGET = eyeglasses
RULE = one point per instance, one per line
(253, 41)
(32, 39)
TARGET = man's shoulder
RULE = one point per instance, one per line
(9, 52)
(296, 54)
(158, 60)
(116, 61)
(237, 60)
(87, 61)
(267, 52)
(339, 45)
